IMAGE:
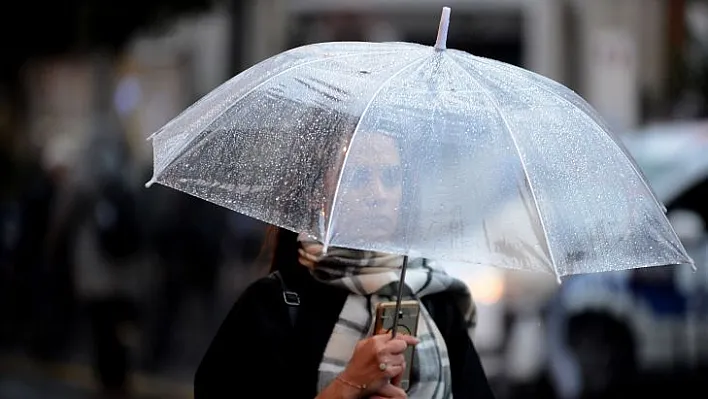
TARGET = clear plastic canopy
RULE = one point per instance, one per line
(410, 149)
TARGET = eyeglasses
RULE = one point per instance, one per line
(390, 176)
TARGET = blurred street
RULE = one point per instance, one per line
(24, 379)
(32, 387)
(72, 376)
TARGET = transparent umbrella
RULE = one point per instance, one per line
(422, 151)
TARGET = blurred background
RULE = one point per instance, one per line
(83, 83)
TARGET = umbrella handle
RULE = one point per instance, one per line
(441, 42)
(401, 283)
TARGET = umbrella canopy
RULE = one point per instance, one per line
(422, 151)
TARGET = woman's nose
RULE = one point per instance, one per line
(378, 193)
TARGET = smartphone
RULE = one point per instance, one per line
(407, 324)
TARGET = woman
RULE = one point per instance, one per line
(306, 333)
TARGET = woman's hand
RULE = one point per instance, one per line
(376, 361)
(390, 391)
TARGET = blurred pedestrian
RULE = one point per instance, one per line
(110, 255)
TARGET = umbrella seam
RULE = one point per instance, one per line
(327, 233)
(507, 127)
(634, 167)
(212, 93)
(187, 147)
(632, 163)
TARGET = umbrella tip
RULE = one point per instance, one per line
(441, 42)
(150, 183)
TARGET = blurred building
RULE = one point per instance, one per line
(594, 47)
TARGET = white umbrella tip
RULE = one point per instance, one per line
(441, 42)
(150, 183)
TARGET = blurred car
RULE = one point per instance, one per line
(512, 330)
(672, 156)
(663, 311)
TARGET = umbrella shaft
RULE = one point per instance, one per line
(401, 283)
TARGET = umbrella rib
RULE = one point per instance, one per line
(632, 164)
(186, 147)
(509, 130)
(383, 84)
(513, 70)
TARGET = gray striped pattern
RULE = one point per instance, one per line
(372, 278)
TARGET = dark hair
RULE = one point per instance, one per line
(280, 245)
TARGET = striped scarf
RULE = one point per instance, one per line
(373, 277)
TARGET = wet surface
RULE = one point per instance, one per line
(19, 387)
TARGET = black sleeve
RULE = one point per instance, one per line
(468, 378)
(250, 353)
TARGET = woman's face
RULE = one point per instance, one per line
(372, 188)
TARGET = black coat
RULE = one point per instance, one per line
(257, 353)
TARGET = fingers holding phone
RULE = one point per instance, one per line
(390, 391)
(407, 328)
(376, 361)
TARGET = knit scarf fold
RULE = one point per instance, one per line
(372, 277)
